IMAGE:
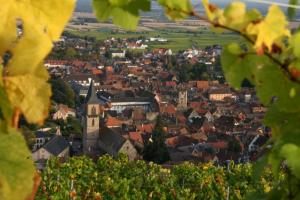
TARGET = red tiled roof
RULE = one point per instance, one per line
(169, 109)
(170, 84)
(199, 136)
(195, 104)
(56, 62)
(113, 122)
(96, 71)
(178, 140)
(109, 69)
(219, 145)
(136, 136)
(146, 128)
(181, 118)
(164, 74)
(201, 111)
(202, 84)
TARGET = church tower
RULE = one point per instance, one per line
(182, 99)
(91, 122)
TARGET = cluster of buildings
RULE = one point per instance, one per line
(204, 119)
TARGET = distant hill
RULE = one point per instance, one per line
(83, 6)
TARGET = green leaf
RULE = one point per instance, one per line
(292, 11)
(270, 81)
(291, 152)
(16, 167)
(285, 125)
(259, 166)
(176, 9)
(235, 66)
(124, 13)
(295, 44)
(268, 89)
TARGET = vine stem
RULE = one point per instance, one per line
(16, 117)
(283, 66)
(36, 183)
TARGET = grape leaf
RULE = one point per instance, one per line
(290, 152)
(269, 30)
(294, 42)
(212, 11)
(272, 84)
(40, 27)
(269, 79)
(1, 73)
(36, 50)
(51, 15)
(5, 107)
(235, 67)
(124, 13)
(235, 14)
(16, 167)
(176, 9)
(291, 11)
(284, 125)
(31, 94)
(8, 32)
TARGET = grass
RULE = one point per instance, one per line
(178, 39)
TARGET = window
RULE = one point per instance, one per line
(93, 110)
(93, 122)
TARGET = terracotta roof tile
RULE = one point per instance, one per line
(113, 122)
(146, 128)
(136, 136)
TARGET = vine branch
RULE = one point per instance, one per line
(283, 66)
(16, 117)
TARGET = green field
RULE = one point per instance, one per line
(178, 39)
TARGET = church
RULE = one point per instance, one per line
(98, 139)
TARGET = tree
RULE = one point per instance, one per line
(107, 54)
(183, 75)
(199, 71)
(234, 145)
(28, 135)
(69, 126)
(73, 126)
(71, 53)
(62, 92)
(156, 149)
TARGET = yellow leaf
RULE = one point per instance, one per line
(270, 30)
(41, 22)
(28, 30)
(28, 53)
(31, 94)
(8, 33)
(212, 11)
(235, 14)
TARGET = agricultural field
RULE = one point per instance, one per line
(178, 38)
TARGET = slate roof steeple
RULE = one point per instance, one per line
(91, 97)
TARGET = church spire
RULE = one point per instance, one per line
(91, 97)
